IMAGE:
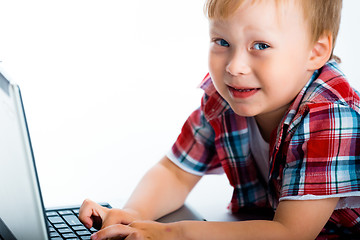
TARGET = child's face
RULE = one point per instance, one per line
(259, 57)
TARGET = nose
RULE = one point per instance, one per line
(238, 64)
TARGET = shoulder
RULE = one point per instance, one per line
(327, 103)
(331, 88)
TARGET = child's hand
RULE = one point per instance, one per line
(120, 224)
(92, 214)
(139, 230)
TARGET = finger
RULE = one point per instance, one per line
(114, 231)
(91, 213)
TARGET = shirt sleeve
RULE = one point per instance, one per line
(194, 150)
(323, 157)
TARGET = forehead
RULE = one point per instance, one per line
(262, 15)
(222, 9)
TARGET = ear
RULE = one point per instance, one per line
(320, 52)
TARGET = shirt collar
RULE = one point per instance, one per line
(291, 112)
(214, 104)
(323, 75)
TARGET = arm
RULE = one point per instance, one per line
(293, 220)
(162, 190)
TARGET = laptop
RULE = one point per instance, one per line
(22, 212)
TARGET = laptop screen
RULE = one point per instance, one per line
(21, 206)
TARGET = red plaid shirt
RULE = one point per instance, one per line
(314, 153)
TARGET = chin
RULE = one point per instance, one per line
(245, 113)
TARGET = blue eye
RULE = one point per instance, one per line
(260, 46)
(222, 43)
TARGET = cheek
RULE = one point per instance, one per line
(268, 73)
(217, 72)
(216, 64)
(274, 80)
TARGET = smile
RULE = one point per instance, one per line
(242, 92)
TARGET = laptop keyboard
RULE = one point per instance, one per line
(64, 224)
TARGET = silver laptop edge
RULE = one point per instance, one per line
(21, 204)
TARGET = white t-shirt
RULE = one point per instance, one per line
(259, 148)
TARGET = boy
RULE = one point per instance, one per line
(277, 116)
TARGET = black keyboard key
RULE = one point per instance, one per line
(65, 212)
(72, 220)
(54, 234)
(83, 233)
(69, 235)
(79, 228)
(65, 230)
(55, 220)
(60, 225)
(51, 213)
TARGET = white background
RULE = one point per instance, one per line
(108, 84)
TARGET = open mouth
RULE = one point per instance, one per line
(245, 90)
(242, 92)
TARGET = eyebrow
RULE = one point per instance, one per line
(215, 28)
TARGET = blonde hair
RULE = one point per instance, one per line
(323, 16)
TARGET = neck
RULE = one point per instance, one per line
(267, 122)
